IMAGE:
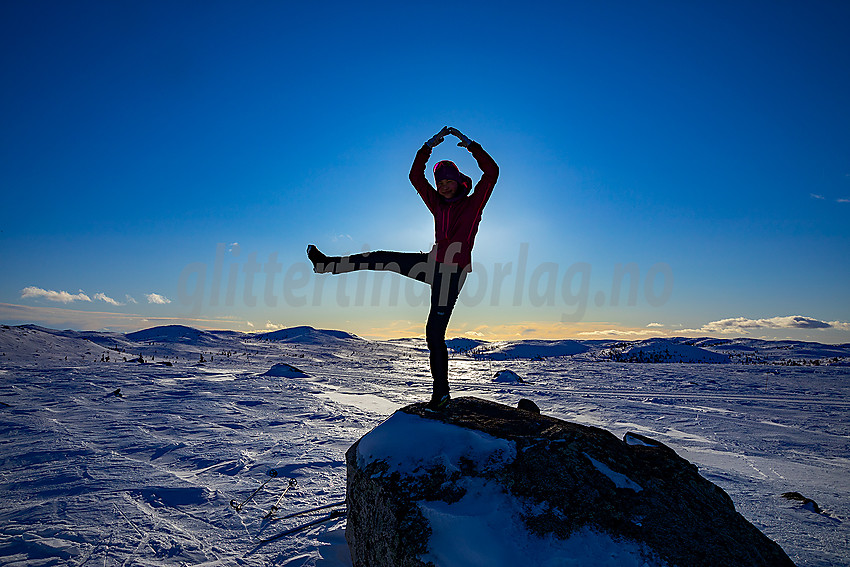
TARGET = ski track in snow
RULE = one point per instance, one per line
(90, 478)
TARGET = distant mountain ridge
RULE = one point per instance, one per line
(22, 342)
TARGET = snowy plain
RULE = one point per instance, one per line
(121, 462)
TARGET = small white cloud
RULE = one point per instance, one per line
(129, 298)
(50, 295)
(250, 324)
(842, 200)
(274, 327)
(157, 298)
(105, 298)
(655, 325)
(816, 196)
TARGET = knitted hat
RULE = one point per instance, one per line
(448, 170)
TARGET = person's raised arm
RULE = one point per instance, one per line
(417, 170)
(485, 163)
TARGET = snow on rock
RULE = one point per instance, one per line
(283, 370)
(619, 480)
(437, 444)
(507, 376)
(634, 439)
(485, 527)
(487, 484)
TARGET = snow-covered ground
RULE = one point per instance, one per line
(122, 463)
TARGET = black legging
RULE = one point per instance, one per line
(446, 281)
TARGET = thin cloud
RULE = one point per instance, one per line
(737, 325)
(69, 318)
(655, 325)
(823, 198)
(105, 298)
(129, 298)
(620, 333)
(33, 292)
(157, 298)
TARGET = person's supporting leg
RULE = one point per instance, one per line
(445, 290)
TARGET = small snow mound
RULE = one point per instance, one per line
(507, 376)
(807, 503)
(283, 370)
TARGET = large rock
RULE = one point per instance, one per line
(483, 483)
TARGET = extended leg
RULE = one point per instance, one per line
(417, 265)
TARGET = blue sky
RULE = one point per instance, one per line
(149, 148)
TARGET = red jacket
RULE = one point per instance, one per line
(455, 222)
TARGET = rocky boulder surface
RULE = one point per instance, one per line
(481, 483)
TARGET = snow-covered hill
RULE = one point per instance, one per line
(35, 344)
(173, 334)
(120, 463)
(531, 349)
(664, 350)
(308, 336)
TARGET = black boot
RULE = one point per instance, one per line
(439, 399)
(321, 264)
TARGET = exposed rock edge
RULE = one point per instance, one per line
(636, 489)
